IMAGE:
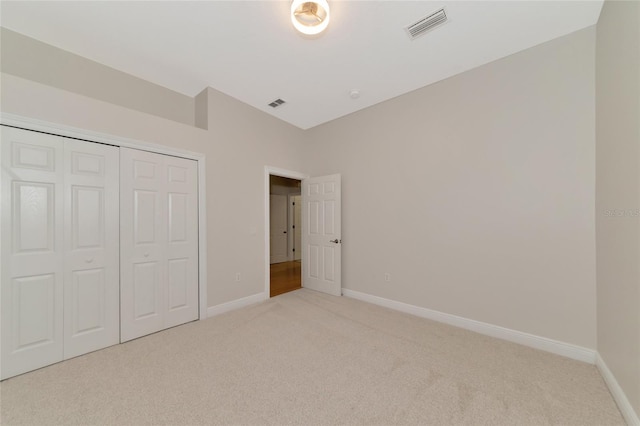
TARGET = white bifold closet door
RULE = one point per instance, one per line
(91, 247)
(159, 242)
(59, 249)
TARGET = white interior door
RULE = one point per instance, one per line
(321, 234)
(182, 240)
(142, 237)
(92, 253)
(32, 250)
(278, 228)
(159, 243)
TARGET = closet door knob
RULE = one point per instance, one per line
(146, 254)
(89, 259)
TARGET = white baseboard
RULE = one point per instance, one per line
(549, 345)
(234, 304)
(629, 414)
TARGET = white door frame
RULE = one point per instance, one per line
(28, 123)
(275, 171)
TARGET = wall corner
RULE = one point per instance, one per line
(201, 106)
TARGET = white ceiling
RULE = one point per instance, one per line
(249, 49)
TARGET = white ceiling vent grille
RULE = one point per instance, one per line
(277, 103)
(425, 24)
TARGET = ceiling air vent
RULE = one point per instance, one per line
(425, 24)
(276, 103)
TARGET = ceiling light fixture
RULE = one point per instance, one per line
(310, 17)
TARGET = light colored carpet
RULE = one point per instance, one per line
(312, 359)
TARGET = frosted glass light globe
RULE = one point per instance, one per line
(310, 17)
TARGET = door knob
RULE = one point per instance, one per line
(336, 241)
(89, 259)
(146, 254)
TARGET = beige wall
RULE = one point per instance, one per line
(477, 193)
(618, 193)
(245, 140)
(239, 143)
(202, 109)
(495, 219)
(28, 58)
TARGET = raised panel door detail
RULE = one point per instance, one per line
(159, 265)
(88, 216)
(180, 185)
(92, 244)
(60, 255)
(144, 216)
(145, 285)
(88, 301)
(314, 217)
(177, 217)
(328, 260)
(321, 201)
(27, 156)
(328, 188)
(177, 174)
(314, 261)
(144, 169)
(32, 249)
(33, 214)
(178, 283)
(314, 189)
(83, 163)
(33, 311)
(329, 217)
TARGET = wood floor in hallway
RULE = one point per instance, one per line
(285, 277)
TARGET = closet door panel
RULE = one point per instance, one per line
(92, 273)
(99, 245)
(142, 235)
(32, 250)
(182, 242)
(146, 292)
(159, 242)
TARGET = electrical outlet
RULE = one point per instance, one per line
(387, 277)
(237, 277)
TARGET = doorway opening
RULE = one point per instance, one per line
(284, 232)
